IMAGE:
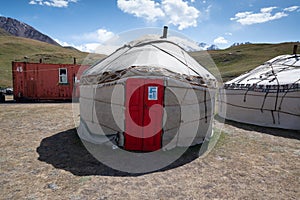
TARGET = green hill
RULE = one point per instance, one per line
(231, 62)
(236, 60)
(22, 49)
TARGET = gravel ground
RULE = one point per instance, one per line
(42, 158)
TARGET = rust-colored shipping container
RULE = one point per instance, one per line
(43, 81)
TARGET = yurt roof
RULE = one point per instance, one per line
(281, 70)
(151, 51)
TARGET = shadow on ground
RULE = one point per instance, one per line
(292, 134)
(65, 151)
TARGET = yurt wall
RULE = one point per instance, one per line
(187, 116)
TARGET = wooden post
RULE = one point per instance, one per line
(295, 49)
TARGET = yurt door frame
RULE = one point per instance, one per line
(142, 132)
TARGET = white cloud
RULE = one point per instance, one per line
(101, 35)
(104, 35)
(65, 44)
(267, 10)
(32, 2)
(291, 9)
(92, 42)
(205, 13)
(228, 33)
(176, 12)
(98, 48)
(220, 40)
(147, 9)
(52, 3)
(180, 14)
(91, 47)
(265, 15)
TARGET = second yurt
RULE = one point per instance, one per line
(269, 95)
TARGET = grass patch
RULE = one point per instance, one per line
(217, 140)
(23, 49)
(237, 60)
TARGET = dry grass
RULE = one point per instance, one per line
(234, 61)
(17, 48)
(42, 158)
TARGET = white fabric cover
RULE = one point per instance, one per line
(269, 95)
(151, 52)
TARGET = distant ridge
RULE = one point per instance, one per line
(16, 28)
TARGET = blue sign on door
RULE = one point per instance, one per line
(152, 92)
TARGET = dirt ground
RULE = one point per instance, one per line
(42, 158)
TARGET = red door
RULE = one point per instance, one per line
(144, 114)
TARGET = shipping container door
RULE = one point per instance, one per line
(18, 80)
(143, 132)
(31, 89)
(31, 74)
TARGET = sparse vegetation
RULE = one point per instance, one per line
(43, 158)
(22, 49)
(236, 60)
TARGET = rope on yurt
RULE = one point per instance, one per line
(263, 104)
(277, 93)
(253, 86)
(292, 65)
(186, 90)
(129, 48)
(107, 57)
(251, 108)
(283, 69)
(245, 95)
(278, 86)
(176, 58)
(271, 63)
(282, 59)
(277, 60)
(205, 106)
(272, 112)
(283, 97)
(278, 101)
(108, 64)
(267, 92)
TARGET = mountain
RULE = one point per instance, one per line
(20, 29)
(191, 46)
(206, 46)
(212, 47)
(238, 44)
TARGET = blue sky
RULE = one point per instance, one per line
(85, 23)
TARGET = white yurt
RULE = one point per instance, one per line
(147, 95)
(269, 95)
